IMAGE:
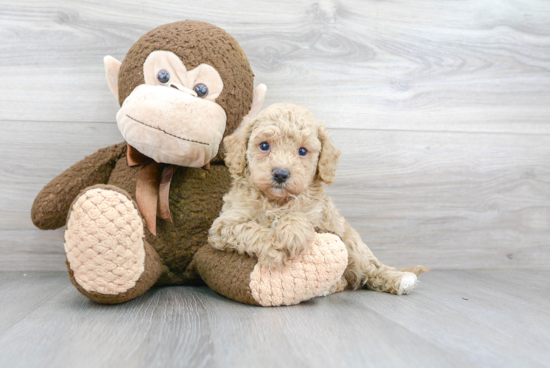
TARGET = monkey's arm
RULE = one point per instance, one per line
(51, 206)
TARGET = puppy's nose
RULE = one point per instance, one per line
(280, 175)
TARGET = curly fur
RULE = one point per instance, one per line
(276, 222)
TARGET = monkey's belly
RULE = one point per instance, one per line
(196, 199)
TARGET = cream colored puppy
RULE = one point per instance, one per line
(281, 162)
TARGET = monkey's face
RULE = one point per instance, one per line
(173, 117)
(183, 86)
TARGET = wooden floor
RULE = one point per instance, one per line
(453, 318)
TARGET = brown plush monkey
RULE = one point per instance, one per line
(138, 213)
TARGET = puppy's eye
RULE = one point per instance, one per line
(302, 151)
(163, 76)
(264, 146)
(201, 90)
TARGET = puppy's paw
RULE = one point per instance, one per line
(286, 246)
(407, 283)
(274, 258)
(294, 234)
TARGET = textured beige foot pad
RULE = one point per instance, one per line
(304, 277)
(104, 241)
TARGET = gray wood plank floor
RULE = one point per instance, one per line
(453, 318)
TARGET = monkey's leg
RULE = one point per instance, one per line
(108, 259)
(242, 278)
(365, 269)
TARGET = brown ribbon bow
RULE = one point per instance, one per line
(153, 187)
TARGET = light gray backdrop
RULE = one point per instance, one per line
(441, 110)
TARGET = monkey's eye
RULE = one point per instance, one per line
(163, 76)
(302, 151)
(201, 90)
(264, 146)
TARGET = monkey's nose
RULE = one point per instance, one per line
(280, 175)
(181, 88)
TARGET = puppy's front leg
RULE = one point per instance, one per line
(294, 233)
(235, 230)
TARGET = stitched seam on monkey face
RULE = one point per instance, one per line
(165, 132)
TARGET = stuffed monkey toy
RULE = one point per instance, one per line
(137, 213)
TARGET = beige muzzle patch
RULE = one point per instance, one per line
(172, 126)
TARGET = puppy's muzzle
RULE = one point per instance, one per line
(280, 175)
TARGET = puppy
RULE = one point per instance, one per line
(281, 162)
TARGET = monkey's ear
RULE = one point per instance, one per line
(236, 145)
(257, 100)
(328, 158)
(112, 68)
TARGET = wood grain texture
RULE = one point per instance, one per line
(23, 293)
(453, 319)
(445, 200)
(422, 65)
(441, 111)
(450, 200)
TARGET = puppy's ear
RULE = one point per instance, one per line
(235, 147)
(328, 158)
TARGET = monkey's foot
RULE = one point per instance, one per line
(241, 278)
(304, 277)
(107, 257)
